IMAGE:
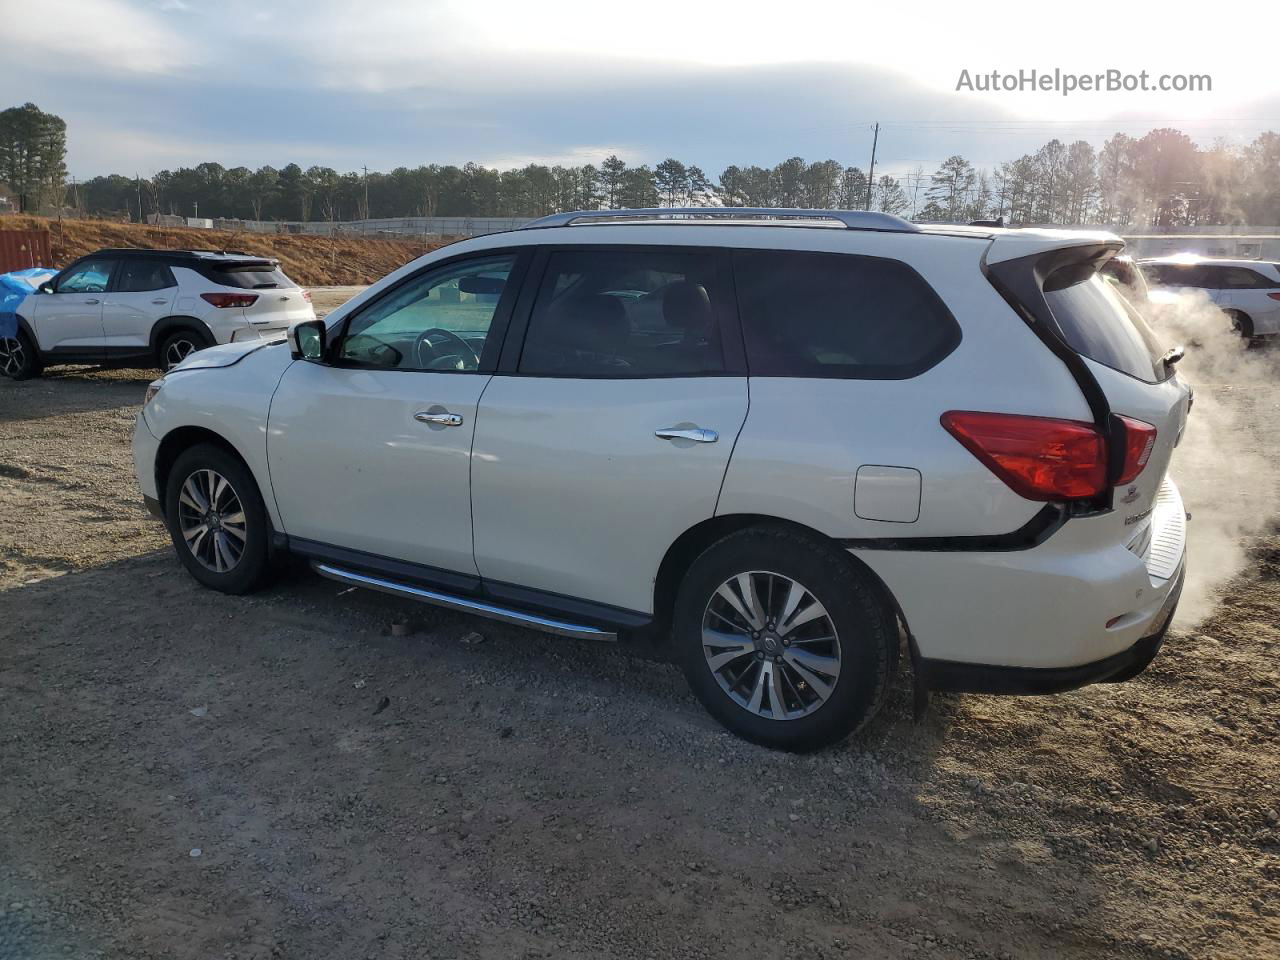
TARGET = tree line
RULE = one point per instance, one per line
(1161, 180)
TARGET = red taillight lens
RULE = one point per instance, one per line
(1139, 441)
(306, 295)
(1274, 296)
(230, 299)
(1040, 458)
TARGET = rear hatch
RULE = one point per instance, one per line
(279, 301)
(1124, 369)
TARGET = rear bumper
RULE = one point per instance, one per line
(1060, 610)
(954, 677)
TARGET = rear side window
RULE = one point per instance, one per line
(838, 316)
(248, 276)
(1098, 323)
(137, 276)
(1242, 278)
(625, 313)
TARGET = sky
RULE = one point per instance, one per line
(146, 85)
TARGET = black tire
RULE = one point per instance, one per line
(19, 359)
(1242, 324)
(251, 568)
(178, 344)
(864, 624)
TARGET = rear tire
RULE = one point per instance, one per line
(179, 345)
(217, 520)
(19, 359)
(1242, 324)
(774, 678)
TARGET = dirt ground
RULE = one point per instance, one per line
(187, 775)
(307, 259)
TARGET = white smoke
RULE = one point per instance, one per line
(1226, 465)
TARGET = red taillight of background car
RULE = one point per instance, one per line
(1139, 441)
(1039, 458)
(1274, 296)
(230, 299)
(306, 295)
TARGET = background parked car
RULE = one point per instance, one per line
(1248, 291)
(150, 308)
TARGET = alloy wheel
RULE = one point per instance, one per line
(211, 518)
(771, 645)
(13, 358)
(176, 352)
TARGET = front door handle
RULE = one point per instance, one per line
(159, 302)
(93, 300)
(443, 419)
(696, 434)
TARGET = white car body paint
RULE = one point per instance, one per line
(572, 494)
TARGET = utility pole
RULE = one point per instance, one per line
(137, 182)
(366, 191)
(871, 171)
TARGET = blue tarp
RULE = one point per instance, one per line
(14, 288)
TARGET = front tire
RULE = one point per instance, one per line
(217, 520)
(783, 639)
(19, 359)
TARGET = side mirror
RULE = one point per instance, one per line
(308, 341)
(46, 287)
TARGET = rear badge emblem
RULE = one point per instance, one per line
(1130, 496)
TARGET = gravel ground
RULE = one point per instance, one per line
(187, 775)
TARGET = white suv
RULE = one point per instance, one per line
(151, 308)
(1248, 291)
(797, 440)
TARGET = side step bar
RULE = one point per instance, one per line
(463, 604)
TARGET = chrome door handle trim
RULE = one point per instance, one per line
(444, 419)
(696, 434)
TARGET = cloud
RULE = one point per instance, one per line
(97, 38)
(158, 83)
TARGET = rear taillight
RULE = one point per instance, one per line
(1139, 441)
(230, 299)
(306, 295)
(1274, 296)
(1039, 458)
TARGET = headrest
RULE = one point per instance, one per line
(686, 306)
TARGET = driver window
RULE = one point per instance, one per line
(437, 321)
(91, 276)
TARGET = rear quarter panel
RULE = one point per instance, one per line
(804, 439)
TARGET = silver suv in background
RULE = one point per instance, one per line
(151, 308)
(1248, 291)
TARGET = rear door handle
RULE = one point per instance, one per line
(159, 301)
(696, 434)
(443, 419)
(93, 301)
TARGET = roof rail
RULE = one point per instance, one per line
(768, 216)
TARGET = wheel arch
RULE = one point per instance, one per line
(690, 545)
(167, 325)
(184, 438)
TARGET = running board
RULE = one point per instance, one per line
(463, 604)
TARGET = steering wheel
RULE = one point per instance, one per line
(424, 341)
